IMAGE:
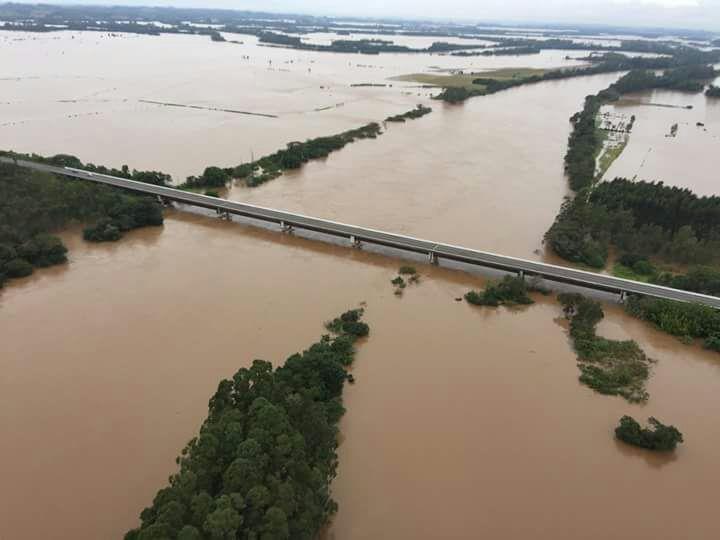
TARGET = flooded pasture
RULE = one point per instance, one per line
(464, 422)
(688, 159)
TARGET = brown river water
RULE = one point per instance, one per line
(463, 423)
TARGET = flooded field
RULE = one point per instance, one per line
(59, 94)
(688, 159)
(487, 174)
(108, 364)
(464, 422)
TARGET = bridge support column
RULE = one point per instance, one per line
(284, 227)
(623, 297)
(354, 242)
(223, 214)
(432, 257)
(521, 274)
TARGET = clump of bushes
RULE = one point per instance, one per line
(349, 323)
(400, 283)
(659, 437)
(412, 114)
(103, 231)
(676, 318)
(713, 343)
(607, 366)
(511, 290)
(130, 213)
(638, 264)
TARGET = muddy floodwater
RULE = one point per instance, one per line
(487, 174)
(463, 421)
(96, 96)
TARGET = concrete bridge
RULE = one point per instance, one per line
(358, 235)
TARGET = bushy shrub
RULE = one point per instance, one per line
(103, 231)
(18, 268)
(660, 437)
(511, 290)
(713, 343)
(407, 271)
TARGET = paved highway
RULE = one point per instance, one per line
(434, 250)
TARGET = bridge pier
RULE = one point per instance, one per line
(623, 297)
(223, 214)
(521, 274)
(432, 257)
(284, 227)
(354, 242)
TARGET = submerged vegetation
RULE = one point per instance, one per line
(263, 461)
(511, 290)
(418, 112)
(407, 275)
(34, 204)
(607, 366)
(685, 320)
(660, 437)
(293, 156)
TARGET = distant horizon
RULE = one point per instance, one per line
(676, 15)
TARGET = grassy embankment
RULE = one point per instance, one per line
(465, 80)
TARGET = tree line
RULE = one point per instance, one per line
(262, 463)
(685, 71)
(294, 156)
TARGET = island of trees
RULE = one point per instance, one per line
(713, 91)
(35, 204)
(263, 461)
(607, 366)
(511, 290)
(658, 437)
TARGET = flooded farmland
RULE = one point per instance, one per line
(61, 95)
(462, 421)
(689, 159)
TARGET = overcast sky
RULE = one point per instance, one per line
(703, 14)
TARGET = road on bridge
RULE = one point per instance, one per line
(356, 235)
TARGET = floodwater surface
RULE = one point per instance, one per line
(464, 422)
(487, 174)
(89, 94)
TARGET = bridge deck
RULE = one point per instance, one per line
(446, 251)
